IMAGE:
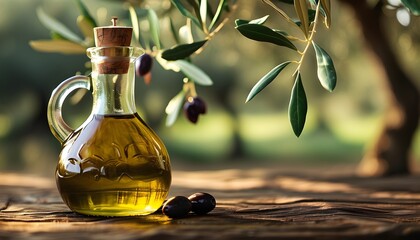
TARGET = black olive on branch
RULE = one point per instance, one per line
(193, 107)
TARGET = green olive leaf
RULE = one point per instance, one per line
(262, 33)
(203, 11)
(311, 15)
(154, 26)
(135, 23)
(298, 106)
(174, 31)
(173, 108)
(265, 80)
(218, 13)
(326, 71)
(85, 12)
(185, 12)
(413, 6)
(262, 20)
(182, 51)
(58, 46)
(301, 9)
(313, 4)
(193, 72)
(326, 7)
(56, 26)
(239, 22)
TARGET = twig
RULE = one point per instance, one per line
(310, 38)
(217, 29)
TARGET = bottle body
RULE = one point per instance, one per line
(114, 165)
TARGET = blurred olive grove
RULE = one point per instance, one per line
(340, 125)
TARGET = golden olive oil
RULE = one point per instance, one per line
(114, 165)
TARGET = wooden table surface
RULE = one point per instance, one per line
(268, 202)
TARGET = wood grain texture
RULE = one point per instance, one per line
(252, 203)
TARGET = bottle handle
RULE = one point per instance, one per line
(58, 126)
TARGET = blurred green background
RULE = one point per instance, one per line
(339, 127)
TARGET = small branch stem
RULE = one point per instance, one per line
(281, 12)
(217, 29)
(189, 88)
(309, 40)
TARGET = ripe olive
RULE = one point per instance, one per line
(193, 107)
(177, 207)
(202, 203)
(200, 105)
(144, 64)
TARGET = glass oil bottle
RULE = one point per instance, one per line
(113, 164)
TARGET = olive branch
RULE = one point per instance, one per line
(309, 14)
(202, 24)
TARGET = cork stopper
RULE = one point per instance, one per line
(115, 61)
(112, 36)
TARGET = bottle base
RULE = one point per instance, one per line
(115, 203)
(106, 211)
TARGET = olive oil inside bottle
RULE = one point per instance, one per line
(114, 165)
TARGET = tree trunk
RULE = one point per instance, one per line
(390, 154)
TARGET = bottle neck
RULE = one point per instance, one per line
(113, 94)
(113, 79)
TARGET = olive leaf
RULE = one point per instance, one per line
(203, 11)
(182, 51)
(326, 6)
(218, 13)
(286, 35)
(135, 22)
(326, 71)
(56, 26)
(57, 45)
(314, 3)
(154, 26)
(262, 33)
(298, 106)
(185, 12)
(262, 20)
(265, 80)
(174, 31)
(239, 22)
(311, 16)
(192, 72)
(85, 13)
(301, 8)
(173, 108)
(413, 6)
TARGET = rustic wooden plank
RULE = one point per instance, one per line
(253, 203)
